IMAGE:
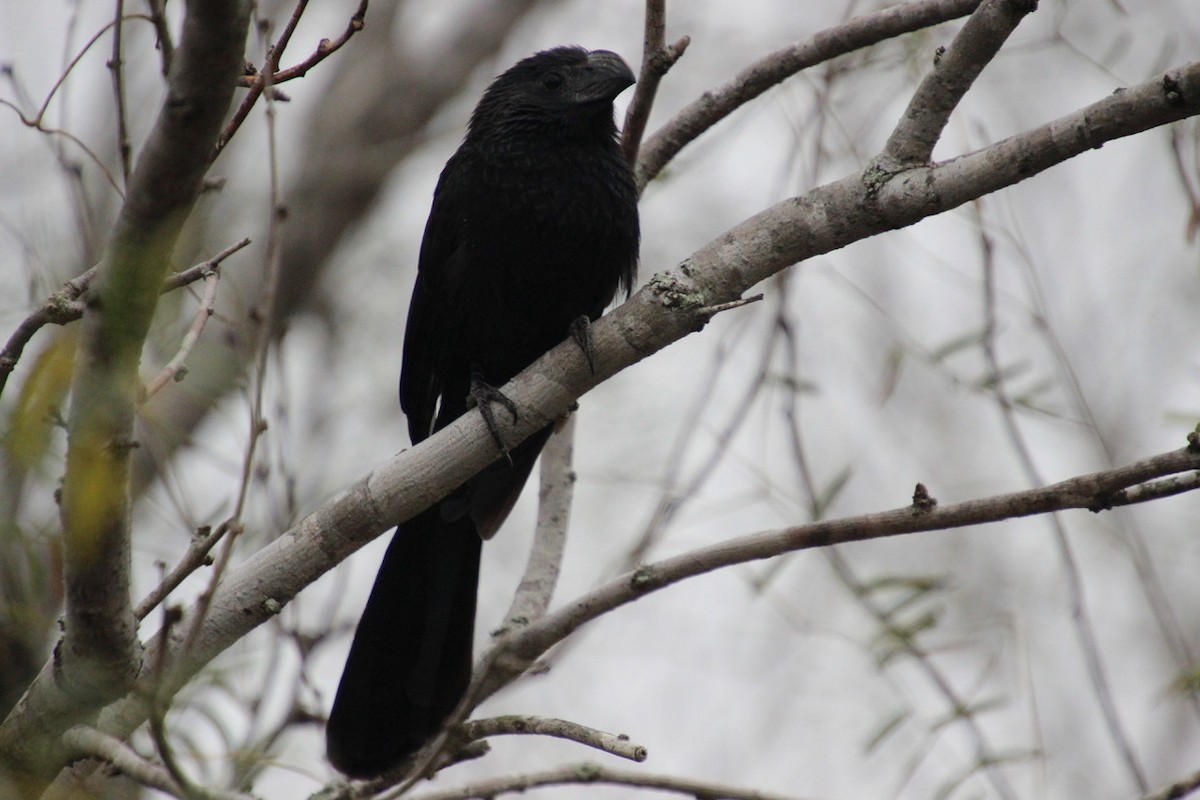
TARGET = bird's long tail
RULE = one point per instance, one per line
(411, 657)
(410, 662)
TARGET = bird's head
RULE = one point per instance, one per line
(564, 87)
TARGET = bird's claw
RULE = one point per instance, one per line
(581, 332)
(484, 395)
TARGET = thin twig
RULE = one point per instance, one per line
(1080, 616)
(269, 74)
(159, 705)
(588, 773)
(63, 306)
(1156, 490)
(116, 66)
(678, 490)
(261, 316)
(37, 125)
(88, 742)
(711, 311)
(613, 743)
(166, 45)
(325, 48)
(197, 554)
(657, 59)
(555, 493)
(36, 121)
(174, 369)
(1178, 790)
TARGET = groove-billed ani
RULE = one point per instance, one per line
(534, 225)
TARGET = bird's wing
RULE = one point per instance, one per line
(434, 315)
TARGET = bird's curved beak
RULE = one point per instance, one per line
(606, 75)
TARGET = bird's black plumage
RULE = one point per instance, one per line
(534, 224)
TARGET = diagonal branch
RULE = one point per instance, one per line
(954, 70)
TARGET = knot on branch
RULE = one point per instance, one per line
(644, 579)
(922, 501)
(1022, 7)
(1104, 502)
(673, 290)
(664, 58)
(1172, 91)
(880, 171)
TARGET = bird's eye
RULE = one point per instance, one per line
(552, 81)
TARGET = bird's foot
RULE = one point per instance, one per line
(581, 332)
(484, 395)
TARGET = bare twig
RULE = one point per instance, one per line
(196, 555)
(158, 727)
(1092, 492)
(711, 311)
(116, 66)
(38, 125)
(262, 316)
(588, 773)
(614, 743)
(269, 74)
(197, 271)
(1178, 790)
(63, 306)
(325, 48)
(555, 493)
(85, 742)
(657, 60)
(677, 490)
(1186, 175)
(174, 370)
(36, 120)
(166, 46)
(1080, 617)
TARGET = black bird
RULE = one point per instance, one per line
(534, 228)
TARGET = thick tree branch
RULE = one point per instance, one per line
(99, 655)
